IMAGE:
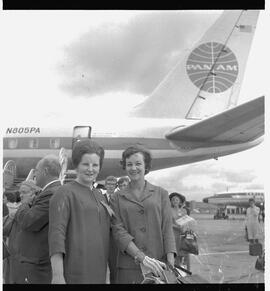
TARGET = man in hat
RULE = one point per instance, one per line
(33, 218)
(11, 229)
(28, 190)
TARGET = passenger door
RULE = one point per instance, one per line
(80, 133)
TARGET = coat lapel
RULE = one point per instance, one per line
(101, 203)
(148, 191)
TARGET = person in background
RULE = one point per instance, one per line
(252, 221)
(12, 229)
(33, 219)
(5, 208)
(142, 224)
(123, 182)
(5, 217)
(263, 214)
(179, 211)
(13, 202)
(110, 186)
(79, 228)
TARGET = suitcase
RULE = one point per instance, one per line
(255, 249)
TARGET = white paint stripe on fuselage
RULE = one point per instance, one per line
(156, 153)
(109, 154)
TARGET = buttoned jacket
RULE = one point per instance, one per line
(147, 222)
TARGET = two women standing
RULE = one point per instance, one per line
(80, 222)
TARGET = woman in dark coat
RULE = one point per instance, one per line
(80, 222)
(142, 225)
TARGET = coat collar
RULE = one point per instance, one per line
(148, 191)
(51, 184)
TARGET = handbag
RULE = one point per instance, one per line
(260, 262)
(188, 242)
(255, 249)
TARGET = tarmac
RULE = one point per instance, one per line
(224, 252)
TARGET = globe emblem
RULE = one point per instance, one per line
(212, 67)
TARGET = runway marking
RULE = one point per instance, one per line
(224, 253)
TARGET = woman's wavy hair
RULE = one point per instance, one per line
(86, 146)
(134, 150)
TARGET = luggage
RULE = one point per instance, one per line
(255, 249)
(173, 275)
(260, 262)
(189, 278)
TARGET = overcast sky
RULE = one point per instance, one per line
(58, 64)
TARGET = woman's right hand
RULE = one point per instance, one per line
(58, 279)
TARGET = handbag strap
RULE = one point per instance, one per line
(176, 272)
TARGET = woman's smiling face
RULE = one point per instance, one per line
(135, 166)
(88, 169)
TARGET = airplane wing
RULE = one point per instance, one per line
(243, 123)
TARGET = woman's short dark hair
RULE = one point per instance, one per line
(134, 150)
(86, 146)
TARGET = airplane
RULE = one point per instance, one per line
(191, 116)
(236, 198)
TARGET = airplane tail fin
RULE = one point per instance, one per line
(208, 77)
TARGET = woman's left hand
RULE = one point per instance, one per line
(154, 265)
(170, 259)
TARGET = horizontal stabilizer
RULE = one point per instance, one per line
(240, 124)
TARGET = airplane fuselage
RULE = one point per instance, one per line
(27, 145)
(239, 199)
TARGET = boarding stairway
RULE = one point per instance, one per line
(10, 182)
(69, 176)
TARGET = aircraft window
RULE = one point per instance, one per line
(33, 143)
(12, 143)
(55, 143)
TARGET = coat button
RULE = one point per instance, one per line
(143, 229)
(141, 211)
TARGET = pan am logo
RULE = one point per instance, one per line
(212, 67)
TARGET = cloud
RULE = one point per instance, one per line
(133, 57)
(204, 179)
(236, 177)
